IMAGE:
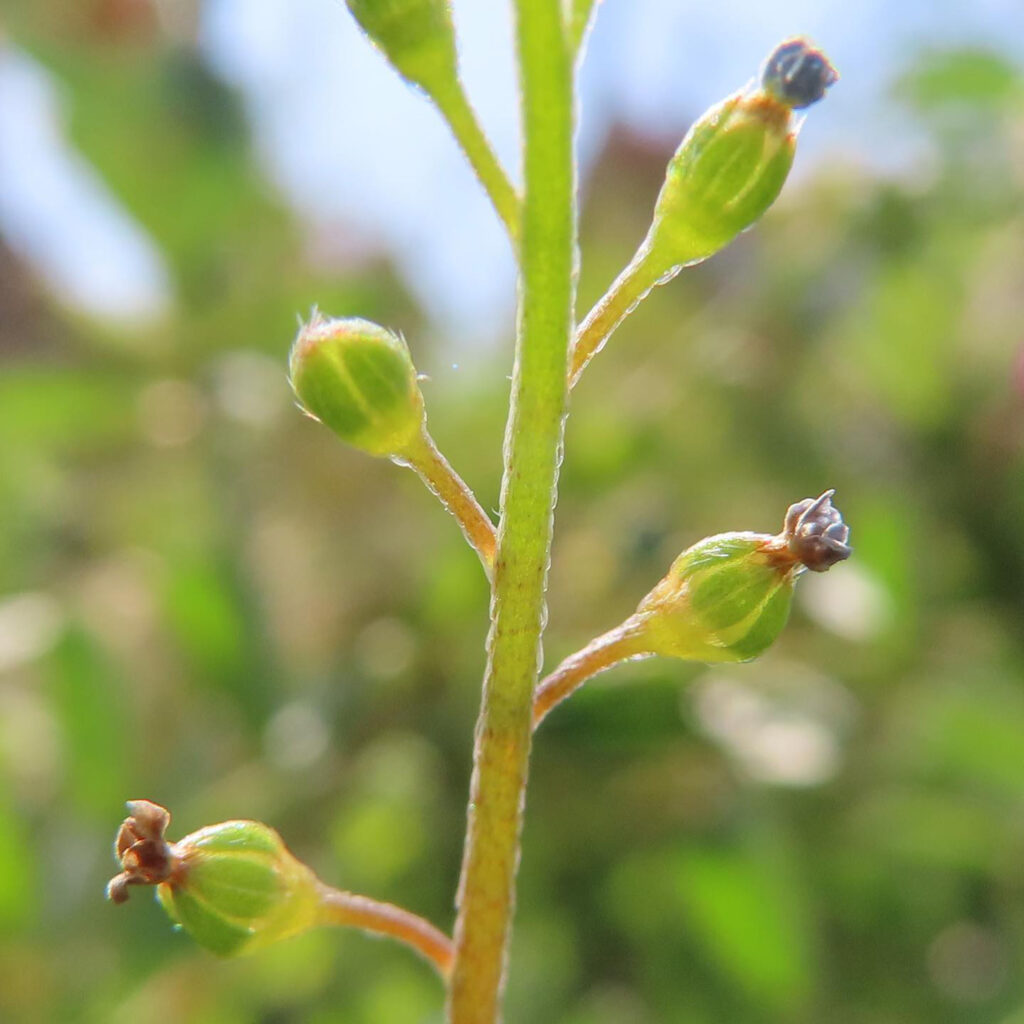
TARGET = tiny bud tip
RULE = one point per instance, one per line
(797, 74)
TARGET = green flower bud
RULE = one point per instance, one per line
(728, 597)
(416, 36)
(234, 887)
(358, 379)
(733, 162)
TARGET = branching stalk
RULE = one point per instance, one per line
(624, 295)
(454, 494)
(579, 17)
(533, 442)
(454, 105)
(622, 643)
(349, 910)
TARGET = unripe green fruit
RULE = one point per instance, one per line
(725, 599)
(415, 35)
(733, 162)
(358, 379)
(235, 887)
(727, 171)
(728, 597)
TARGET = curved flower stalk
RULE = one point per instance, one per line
(726, 598)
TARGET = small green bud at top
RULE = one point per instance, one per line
(728, 597)
(733, 162)
(416, 36)
(233, 887)
(358, 379)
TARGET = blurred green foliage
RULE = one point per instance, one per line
(206, 601)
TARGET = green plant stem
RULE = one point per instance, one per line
(351, 911)
(623, 642)
(578, 22)
(533, 442)
(454, 494)
(625, 294)
(450, 98)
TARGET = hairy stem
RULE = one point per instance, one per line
(625, 294)
(533, 441)
(454, 494)
(345, 908)
(619, 644)
(451, 100)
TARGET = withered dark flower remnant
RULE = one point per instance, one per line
(797, 74)
(816, 534)
(145, 855)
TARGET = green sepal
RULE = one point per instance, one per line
(236, 888)
(727, 598)
(768, 623)
(206, 927)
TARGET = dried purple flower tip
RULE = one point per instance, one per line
(797, 74)
(816, 534)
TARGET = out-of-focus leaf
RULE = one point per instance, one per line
(397, 996)
(89, 701)
(745, 907)
(885, 542)
(974, 77)
(17, 875)
(206, 610)
(931, 830)
(206, 618)
(902, 342)
(64, 409)
(971, 735)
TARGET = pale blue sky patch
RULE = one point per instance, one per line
(57, 213)
(357, 152)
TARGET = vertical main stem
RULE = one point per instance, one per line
(533, 442)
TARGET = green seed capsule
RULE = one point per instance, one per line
(724, 599)
(416, 36)
(234, 887)
(733, 162)
(728, 597)
(728, 170)
(358, 379)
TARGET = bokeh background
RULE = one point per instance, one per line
(206, 601)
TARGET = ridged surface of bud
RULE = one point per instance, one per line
(416, 36)
(233, 887)
(236, 888)
(357, 378)
(728, 597)
(725, 599)
(733, 162)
